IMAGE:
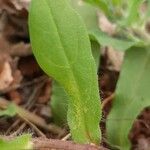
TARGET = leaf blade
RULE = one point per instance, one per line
(102, 4)
(118, 44)
(63, 28)
(132, 95)
(9, 111)
(59, 99)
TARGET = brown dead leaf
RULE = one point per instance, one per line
(5, 76)
(9, 73)
(15, 96)
(14, 20)
(21, 4)
(19, 49)
(14, 36)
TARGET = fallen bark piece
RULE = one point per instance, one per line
(43, 143)
(5, 76)
(55, 144)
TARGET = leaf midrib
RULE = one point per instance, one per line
(70, 67)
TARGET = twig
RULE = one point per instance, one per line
(19, 130)
(32, 125)
(16, 86)
(37, 120)
(49, 144)
(27, 106)
(66, 137)
(12, 126)
(22, 113)
(25, 49)
(107, 100)
(41, 143)
(40, 133)
(33, 96)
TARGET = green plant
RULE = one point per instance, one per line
(132, 93)
(61, 45)
(59, 99)
(21, 142)
(11, 111)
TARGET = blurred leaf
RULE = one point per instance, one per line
(10, 111)
(106, 40)
(96, 52)
(103, 5)
(148, 9)
(20, 143)
(132, 95)
(87, 12)
(59, 104)
(116, 2)
(133, 12)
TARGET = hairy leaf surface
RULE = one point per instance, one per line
(61, 45)
(59, 99)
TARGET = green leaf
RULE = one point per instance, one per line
(133, 12)
(10, 111)
(102, 5)
(132, 95)
(59, 98)
(106, 40)
(117, 2)
(87, 12)
(96, 52)
(59, 104)
(61, 45)
(148, 9)
(22, 142)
